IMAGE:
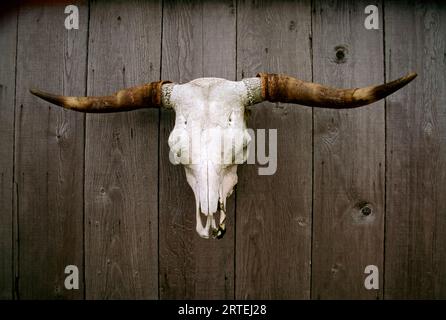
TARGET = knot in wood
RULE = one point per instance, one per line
(340, 54)
(366, 211)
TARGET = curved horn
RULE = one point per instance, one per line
(282, 88)
(144, 96)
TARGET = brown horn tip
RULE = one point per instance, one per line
(58, 100)
(375, 93)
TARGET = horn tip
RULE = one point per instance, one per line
(38, 93)
(34, 91)
(411, 76)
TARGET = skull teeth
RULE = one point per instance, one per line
(211, 229)
(221, 231)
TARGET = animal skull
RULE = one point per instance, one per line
(210, 137)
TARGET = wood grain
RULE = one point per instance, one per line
(8, 41)
(198, 41)
(103, 183)
(416, 152)
(349, 148)
(273, 255)
(121, 155)
(49, 152)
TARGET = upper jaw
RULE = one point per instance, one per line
(211, 229)
(215, 204)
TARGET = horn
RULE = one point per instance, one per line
(144, 96)
(282, 88)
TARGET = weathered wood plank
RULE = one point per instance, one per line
(349, 155)
(416, 139)
(8, 41)
(49, 151)
(121, 173)
(274, 212)
(198, 40)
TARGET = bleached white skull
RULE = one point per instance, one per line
(210, 139)
(210, 136)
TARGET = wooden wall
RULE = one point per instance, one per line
(353, 187)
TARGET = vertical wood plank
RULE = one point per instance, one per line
(8, 41)
(49, 151)
(349, 155)
(274, 212)
(198, 41)
(121, 173)
(416, 138)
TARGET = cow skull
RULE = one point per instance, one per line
(210, 137)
